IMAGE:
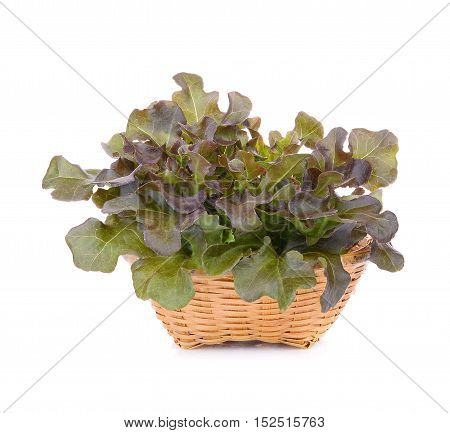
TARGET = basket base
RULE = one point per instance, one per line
(299, 344)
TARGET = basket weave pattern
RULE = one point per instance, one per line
(217, 314)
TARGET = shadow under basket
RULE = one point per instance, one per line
(217, 314)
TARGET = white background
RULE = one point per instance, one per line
(287, 56)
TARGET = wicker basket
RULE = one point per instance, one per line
(217, 314)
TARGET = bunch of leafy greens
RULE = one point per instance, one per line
(192, 188)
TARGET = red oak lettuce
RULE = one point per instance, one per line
(192, 188)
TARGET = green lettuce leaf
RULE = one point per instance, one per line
(159, 122)
(238, 110)
(164, 280)
(114, 147)
(286, 192)
(161, 230)
(264, 273)
(338, 278)
(220, 259)
(386, 257)
(325, 180)
(129, 202)
(252, 167)
(68, 181)
(252, 123)
(102, 195)
(297, 273)
(258, 274)
(308, 129)
(96, 246)
(379, 149)
(315, 229)
(200, 167)
(284, 145)
(206, 231)
(193, 100)
(286, 166)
